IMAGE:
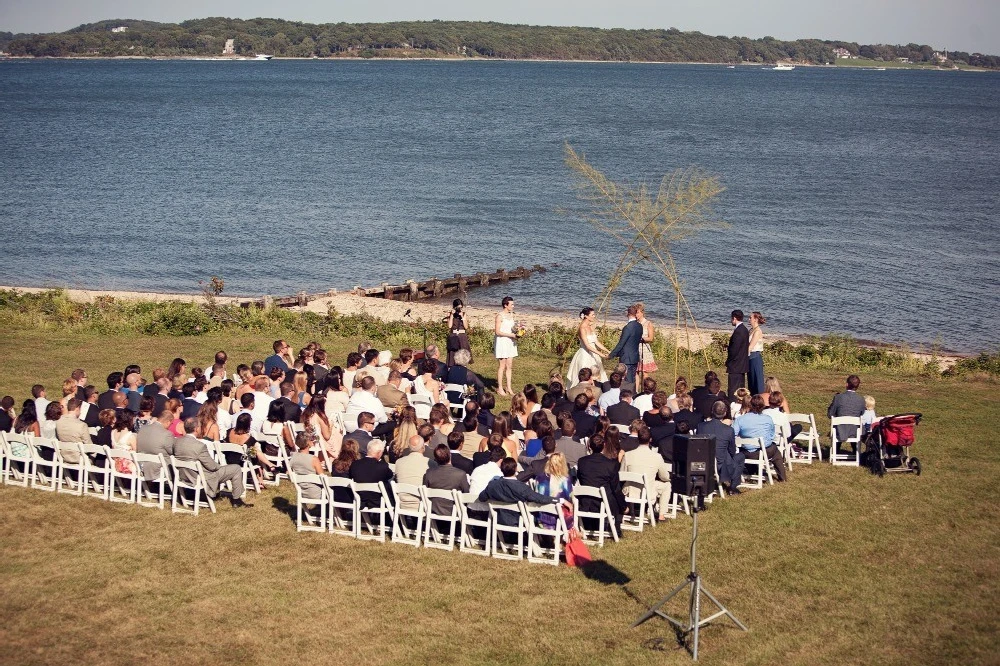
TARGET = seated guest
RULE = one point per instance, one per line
(568, 445)
(455, 441)
(445, 476)
(410, 469)
(105, 422)
(538, 428)
(622, 370)
(698, 393)
(740, 402)
(601, 471)
(280, 358)
(157, 439)
(26, 422)
(501, 427)
(89, 408)
(554, 481)
(440, 369)
(53, 412)
(680, 390)
(586, 376)
(728, 459)
(757, 424)
(644, 401)
(771, 385)
(390, 394)
(643, 460)
(7, 414)
(303, 462)
(623, 412)
(536, 466)
(562, 402)
(189, 449)
(487, 402)
(342, 468)
(372, 469)
(69, 428)
(508, 490)
(586, 423)
(289, 403)
(364, 400)
(240, 435)
(685, 414)
(189, 406)
(363, 435)
(780, 418)
(372, 367)
(115, 383)
(613, 394)
(706, 399)
(548, 401)
(848, 403)
(461, 375)
(483, 456)
(485, 472)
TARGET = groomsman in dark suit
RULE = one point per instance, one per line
(738, 358)
(627, 349)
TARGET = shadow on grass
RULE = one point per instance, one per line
(285, 507)
(604, 573)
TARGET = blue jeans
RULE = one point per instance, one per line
(755, 373)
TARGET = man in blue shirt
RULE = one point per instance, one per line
(755, 424)
(281, 348)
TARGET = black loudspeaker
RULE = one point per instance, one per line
(694, 465)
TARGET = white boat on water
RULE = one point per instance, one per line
(783, 68)
(263, 56)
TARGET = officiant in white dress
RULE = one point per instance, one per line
(591, 352)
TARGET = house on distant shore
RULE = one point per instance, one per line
(940, 57)
(230, 48)
(121, 28)
(843, 54)
(905, 61)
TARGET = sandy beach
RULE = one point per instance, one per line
(386, 310)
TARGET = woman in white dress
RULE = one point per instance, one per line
(591, 351)
(505, 345)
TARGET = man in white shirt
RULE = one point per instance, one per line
(613, 394)
(364, 400)
(644, 401)
(41, 402)
(261, 402)
(482, 475)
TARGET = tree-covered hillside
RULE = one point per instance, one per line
(462, 39)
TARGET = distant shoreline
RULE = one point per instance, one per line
(348, 303)
(450, 59)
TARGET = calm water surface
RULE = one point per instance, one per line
(859, 202)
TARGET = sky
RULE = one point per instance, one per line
(963, 25)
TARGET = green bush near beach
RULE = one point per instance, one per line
(836, 566)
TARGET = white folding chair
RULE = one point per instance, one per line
(809, 437)
(602, 515)
(434, 537)
(123, 476)
(46, 475)
(368, 527)
(637, 496)
(458, 407)
(96, 480)
(501, 549)
(250, 480)
(280, 460)
(312, 523)
(18, 462)
(761, 463)
(469, 542)
(67, 470)
(402, 532)
(189, 476)
(421, 405)
(845, 459)
(146, 495)
(343, 515)
(544, 543)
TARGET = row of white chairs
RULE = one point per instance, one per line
(409, 518)
(119, 476)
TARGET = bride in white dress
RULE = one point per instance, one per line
(591, 351)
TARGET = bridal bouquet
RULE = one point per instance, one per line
(520, 330)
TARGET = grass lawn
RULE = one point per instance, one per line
(833, 567)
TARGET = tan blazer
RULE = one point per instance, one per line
(390, 396)
(69, 428)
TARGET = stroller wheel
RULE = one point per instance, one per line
(878, 465)
(914, 465)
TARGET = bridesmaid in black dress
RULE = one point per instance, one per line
(458, 331)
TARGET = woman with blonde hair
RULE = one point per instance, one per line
(741, 402)
(208, 422)
(554, 482)
(519, 410)
(68, 391)
(303, 397)
(755, 372)
(771, 385)
(406, 427)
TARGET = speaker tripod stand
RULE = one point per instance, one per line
(693, 580)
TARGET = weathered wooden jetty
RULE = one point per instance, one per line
(411, 290)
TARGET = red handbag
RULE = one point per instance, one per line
(577, 553)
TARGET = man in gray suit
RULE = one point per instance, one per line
(569, 447)
(154, 438)
(848, 403)
(729, 459)
(189, 449)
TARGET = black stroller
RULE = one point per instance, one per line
(887, 446)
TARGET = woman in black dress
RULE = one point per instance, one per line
(458, 331)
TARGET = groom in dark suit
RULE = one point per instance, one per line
(738, 359)
(627, 349)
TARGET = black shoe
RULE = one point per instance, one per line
(240, 504)
(735, 491)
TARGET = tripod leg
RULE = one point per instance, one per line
(695, 614)
(723, 608)
(655, 610)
